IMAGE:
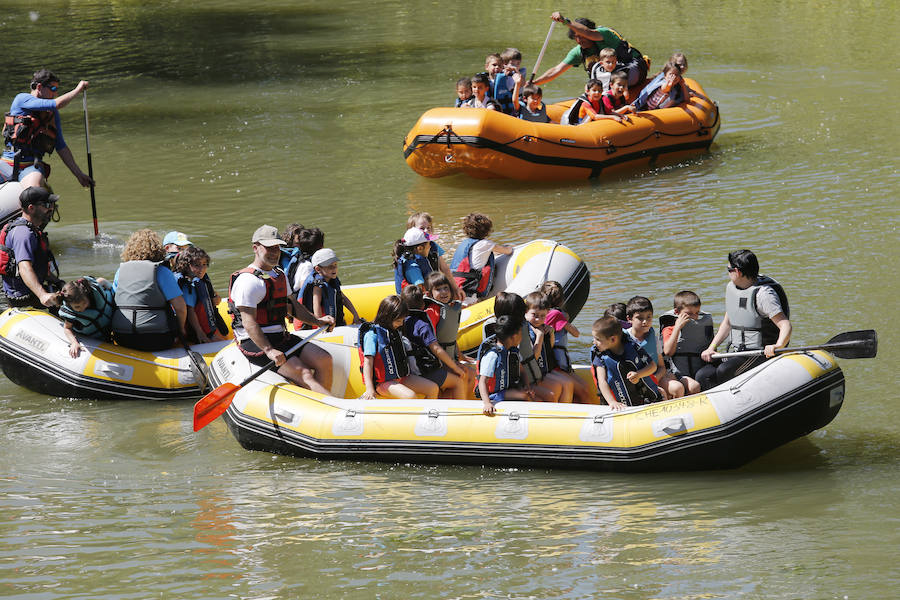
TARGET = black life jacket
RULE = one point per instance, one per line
(425, 360)
(390, 358)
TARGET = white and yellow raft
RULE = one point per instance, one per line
(785, 398)
(34, 351)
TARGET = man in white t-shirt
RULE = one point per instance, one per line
(259, 299)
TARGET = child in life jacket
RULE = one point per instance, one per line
(463, 91)
(512, 305)
(473, 261)
(686, 332)
(428, 358)
(541, 336)
(425, 222)
(498, 367)
(620, 368)
(481, 85)
(589, 107)
(665, 90)
(493, 66)
(505, 84)
(205, 322)
(617, 310)
(558, 320)
(87, 308)
(615, 100)
(639, 310)
(410, 254)
(321, 292)
(383, 354)
(604, 67)
(302, 243)
(533, 108)
(444, 312)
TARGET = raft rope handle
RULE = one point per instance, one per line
(134, 358)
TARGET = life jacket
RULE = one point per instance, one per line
(400, 281)
(332, 297)
(749, 329)
(289, 262)
(674, 97)
(531, 370)
(570, 117)
(273, 308)
(8, 264)
(459, 103)
(433, 256)
(390, 356)
(614, 102)
(96, 320)
(472, 282)
(35, 130)
(425, 360)
(506, 372)
(445, 318)
(141, 306)
(546, 361)
(693, 339)
(207, 313)
(502, 90)
(617, 367)
(539, 117)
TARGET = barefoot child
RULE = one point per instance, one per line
(383, 356)
(558, 320)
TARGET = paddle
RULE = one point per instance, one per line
(87, 142)
(541, 54)
(850, 344)
(199, 369)
(212, 405)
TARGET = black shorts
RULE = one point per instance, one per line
(439, 376)
(280, 340)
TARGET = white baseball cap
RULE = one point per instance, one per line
(414, 236)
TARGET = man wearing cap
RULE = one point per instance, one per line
(32, 129)
(259, 301)
(25, 255)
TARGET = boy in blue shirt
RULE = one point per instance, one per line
(621, 370)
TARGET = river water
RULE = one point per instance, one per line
(214, 117)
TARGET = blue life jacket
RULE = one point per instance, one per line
(332, 297)
(506, 372)
(390, 356)
(502, 90)
(96, 320)
(617, 366)
(405, 259)
(290, 260)
(472, 282)
(546, 361)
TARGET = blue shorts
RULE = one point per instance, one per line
(497, 397)
(439, 376)
(6, 171)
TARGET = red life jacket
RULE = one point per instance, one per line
(273, 308)
(36, 130)
(8, 265)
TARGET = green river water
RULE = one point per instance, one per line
(215, 117)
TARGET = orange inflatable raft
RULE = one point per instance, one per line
(487, 144)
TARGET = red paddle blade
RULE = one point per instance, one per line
(211, 406)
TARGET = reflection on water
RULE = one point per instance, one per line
(212, 117)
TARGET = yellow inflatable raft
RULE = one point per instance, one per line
(34, 354)
(487, 144)
(781, 400)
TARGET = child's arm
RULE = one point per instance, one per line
(501, 249)
(538, 344)
(635, 376)
(572, 330)
(442, 355)
(352, 309)
(605, 390)
(670, 343)
(517, 77)
(318, 311)
(74, 346)
(369, 378)
(486, 405)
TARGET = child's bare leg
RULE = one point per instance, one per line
(566, 385)
(542, 394)
(552, 388)
(454, 387)
(584, 394)
(395, 389)
(692, 386)
(421, 386)
(673, 387)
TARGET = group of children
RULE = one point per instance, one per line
(606, 94)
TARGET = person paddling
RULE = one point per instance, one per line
(32, 129)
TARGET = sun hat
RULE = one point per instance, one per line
(323, 257)
(267, 236)
(177, 238)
